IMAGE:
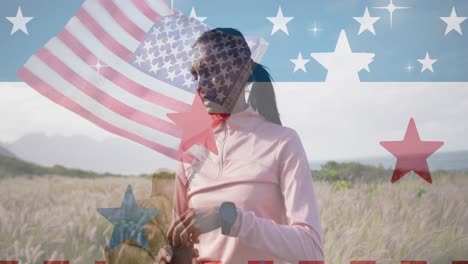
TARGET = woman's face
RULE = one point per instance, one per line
(219, 77)
(208, 85)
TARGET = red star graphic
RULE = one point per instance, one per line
(411, 153)
(196, 126)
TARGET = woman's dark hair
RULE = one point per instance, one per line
(262, 95)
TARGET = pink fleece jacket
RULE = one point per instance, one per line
(261, 167)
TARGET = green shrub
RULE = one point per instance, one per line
(341, 185)
(420, 192)
(351, 172)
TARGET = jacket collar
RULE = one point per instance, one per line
(242, 119)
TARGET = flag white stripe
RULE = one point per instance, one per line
(159, 7)
(134, 14)
(107, 22)
(75, 63)
(49, 76)
(77, 29)
(260, 50)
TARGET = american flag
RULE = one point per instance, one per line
(377, 49)
(102, 66)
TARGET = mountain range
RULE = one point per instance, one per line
(113, 155)
(448, 160)
(121, 156)
(5, 152)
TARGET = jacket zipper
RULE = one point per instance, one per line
(222, 149)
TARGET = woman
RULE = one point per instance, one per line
(255, 199)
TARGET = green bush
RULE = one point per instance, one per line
(341, 185)
(356, 172)
(11, 167)
(351, 172)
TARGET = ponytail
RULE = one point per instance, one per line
(262, 95)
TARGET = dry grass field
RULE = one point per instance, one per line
(55, 218)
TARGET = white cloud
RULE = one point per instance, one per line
(23, 110)
(348, 122)
(333, 122)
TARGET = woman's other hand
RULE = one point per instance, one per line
(163, 257)
(191, 224)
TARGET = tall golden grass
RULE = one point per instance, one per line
(55, 218)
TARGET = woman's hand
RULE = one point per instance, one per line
(163, 257)
(191, 224)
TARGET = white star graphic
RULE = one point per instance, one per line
(427, 63)
(159, 43)
(391, 8)
(251, 43)
(224, 72)
(279, 22)
(220, 95)
(228, 82)
(147, 46)
(299, 63)
(315, 29)
(19, 22)
(171, 40)
(187, 49)
(171, 75)
(139, 60)
(409, 67)
(150, 57)
(98, 66)
(188, 82)
(166, 66)
(453, 22)
(156, 31)
(154, 68)
(367, 22)
(343, 65)
(179, 61)
(194, 15)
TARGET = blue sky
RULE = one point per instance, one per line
(415, 31)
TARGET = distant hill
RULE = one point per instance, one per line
(330, 171)
(5, 152)
(12, 167)
(449, 160)
(121, 156)
(114, 155)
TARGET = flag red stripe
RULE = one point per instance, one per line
(104, 37)
(122, 81)
(119, 17)
(49, 92)
(146, 10)
(105, 99)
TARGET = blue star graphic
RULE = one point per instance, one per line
(128, 221)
